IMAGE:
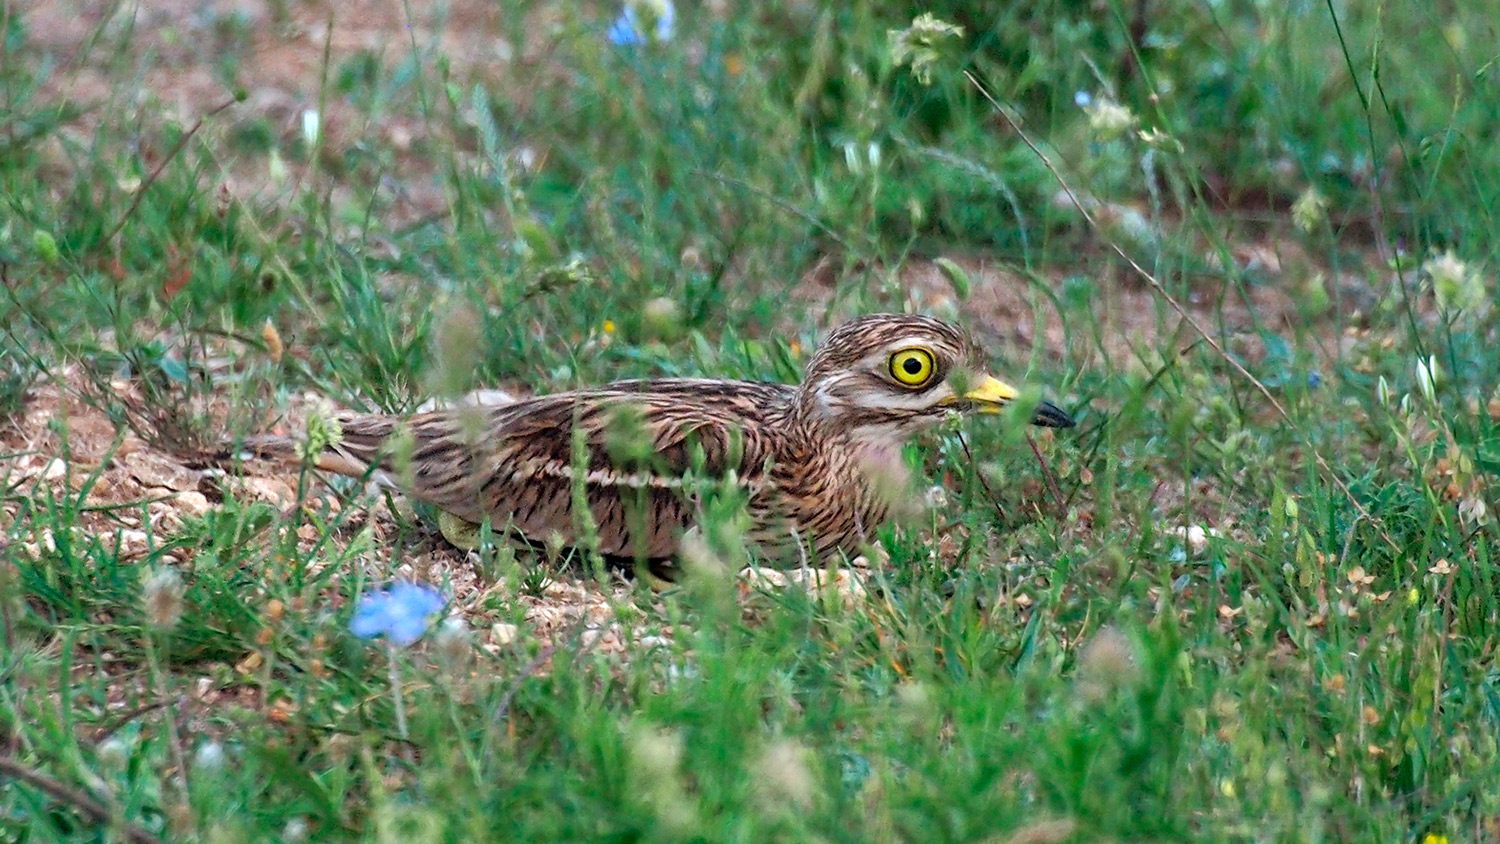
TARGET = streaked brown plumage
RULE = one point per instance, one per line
(809, 457)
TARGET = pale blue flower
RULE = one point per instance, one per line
(401, 613)
(1082, 99)
(626, 30)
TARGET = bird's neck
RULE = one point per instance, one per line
(810, 412)
(823, 418)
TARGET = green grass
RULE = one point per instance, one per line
(1026, 670)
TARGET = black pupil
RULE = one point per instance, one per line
(912, 366)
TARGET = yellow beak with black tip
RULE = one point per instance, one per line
(992, 395)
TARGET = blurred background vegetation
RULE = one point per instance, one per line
(1261, 605)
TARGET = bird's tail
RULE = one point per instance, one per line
(356, 447)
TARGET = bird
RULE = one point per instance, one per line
(809, 458)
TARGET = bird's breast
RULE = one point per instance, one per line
(830, 497)
(882, 469)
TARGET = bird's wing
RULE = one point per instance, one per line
(515, 464)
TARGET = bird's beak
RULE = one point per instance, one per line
(992, 394)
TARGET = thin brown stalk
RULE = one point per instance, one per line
(1047, 473)
(68, 795)
(156, 172)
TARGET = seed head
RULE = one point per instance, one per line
(1310, 209)
(161, 596)
(655, 766)
(1109, 119)
(1045, 831)
(295, 831)
(460, 338)
(1456, 285)
(113, 754)
(272, 338)
(1108, 662)
(922, 44)
(784, 777)
(209, 756)
(662, 319)
(452, 643)
(323, 431)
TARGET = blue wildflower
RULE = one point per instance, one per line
(1082, 99)
(401, 613)
(1314, 379)
(626, 30)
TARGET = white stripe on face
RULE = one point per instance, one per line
(911, 341)
(907, 399)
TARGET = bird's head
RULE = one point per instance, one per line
(885, 377)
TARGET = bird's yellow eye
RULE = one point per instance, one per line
(912, 367)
